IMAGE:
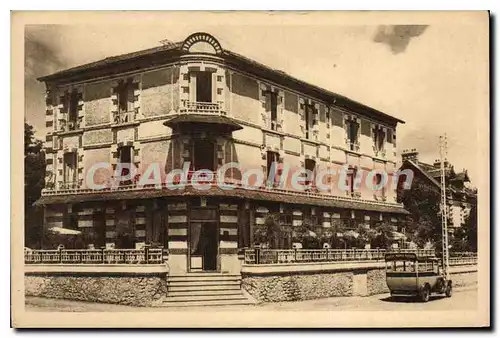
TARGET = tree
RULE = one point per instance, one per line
(34, 182)
(307, 234)
(465, 237)
(270, 232)
(424, 222)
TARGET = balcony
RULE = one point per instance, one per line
(123, 117)
(201, 108)
(214, 186)
(352, 146)
(202, 115)
(69, 185)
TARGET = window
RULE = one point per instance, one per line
(203, 87)
(286, 223)
(377, 180)
(379, 140)
(125, 154)
(309, 115)
(71, 218)
(70, 163)
(73, 99)
(310, 166)
(273, 159)
(272, 108)
(125, 93)
(350, 181)
(352, 135)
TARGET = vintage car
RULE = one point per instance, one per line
(408, 274)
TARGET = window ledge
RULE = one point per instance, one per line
(68, 132)
(127, 124)
(306, 140)
(267, 130)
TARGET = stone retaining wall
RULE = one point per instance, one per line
(298, 287)
(340, 282)
(127, 290)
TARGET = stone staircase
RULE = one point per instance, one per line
(205, 289)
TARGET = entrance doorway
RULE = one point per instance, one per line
(203, 240)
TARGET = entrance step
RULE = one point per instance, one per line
(177, 293)
(202, 289)
(210, 303)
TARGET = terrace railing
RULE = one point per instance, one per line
(291, 256)
(202, 108)
(96, 256)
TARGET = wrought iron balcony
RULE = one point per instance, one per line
(202, 108)
(123, 117)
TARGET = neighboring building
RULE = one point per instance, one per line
(194, 101)
(460, 194)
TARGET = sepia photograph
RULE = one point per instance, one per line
(257, 169)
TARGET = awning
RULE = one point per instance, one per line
(64, 231)
(397, 235)
(351, 233)
(192, 120)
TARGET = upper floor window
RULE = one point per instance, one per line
(377, 181)
(351, 182)
(272, 109)
(70, 164)
(379, 139)
(203, 86)
(73, 106)
(273, 159)
(125, 156)
(310, 166)
(309, 116)
(352, 127)
(70, 102)
(125, 92)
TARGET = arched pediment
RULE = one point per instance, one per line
(201, 43)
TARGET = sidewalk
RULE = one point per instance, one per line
(375, 302)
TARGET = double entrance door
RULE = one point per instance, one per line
(203, 240)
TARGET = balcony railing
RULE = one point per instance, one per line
(96, 256)
(202, 108)
(237, 183)
(290, 256)
(123, 117)
(69, 185)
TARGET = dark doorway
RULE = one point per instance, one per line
(204, 246)
(204, 155)
(204, 87)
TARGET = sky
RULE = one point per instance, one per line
(434, 77)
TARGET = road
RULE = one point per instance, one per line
(462, 299)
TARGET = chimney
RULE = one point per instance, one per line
(410, 155)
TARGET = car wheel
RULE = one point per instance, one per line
(425, 294)
(449, 290)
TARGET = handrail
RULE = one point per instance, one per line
(288, 256)
(96, 256)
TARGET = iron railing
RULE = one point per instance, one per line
(201, 108)
(287, 256)
(123, 117)
(96, 256)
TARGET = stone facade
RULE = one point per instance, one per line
(376, 282)
(122, 289)
(298, 287)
